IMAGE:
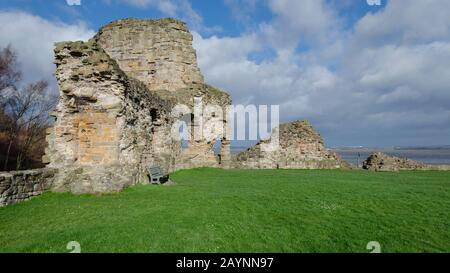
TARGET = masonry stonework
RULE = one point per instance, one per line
(379, 162)
(19, 186)
(116, 117)
(294, 145)
(157, 52)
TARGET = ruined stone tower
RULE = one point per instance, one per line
(159, 53)
(298, 146)
(116, 115)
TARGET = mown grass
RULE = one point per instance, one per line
(212, 210)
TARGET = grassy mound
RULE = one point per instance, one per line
(212, 210)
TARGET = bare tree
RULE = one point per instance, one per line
(24, 112)
(28, 110)
(10, 74)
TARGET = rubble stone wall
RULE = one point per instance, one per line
(298, 146)
(382, 162)
(102, 139)
(23, 185)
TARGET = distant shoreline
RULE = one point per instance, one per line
(432, 155)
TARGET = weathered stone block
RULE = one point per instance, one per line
(299, 147)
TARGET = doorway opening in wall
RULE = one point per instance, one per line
(184, 144)
(217, 148)
(186, 130)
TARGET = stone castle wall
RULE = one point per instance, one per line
(299, 147)
(23, 185)
(113, 120)
(157, 52)
(379, 162)
(106, 122)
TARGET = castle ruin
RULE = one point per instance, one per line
(115, 114)
(294, 145)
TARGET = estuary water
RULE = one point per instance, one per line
(433, 156)
(355, 156)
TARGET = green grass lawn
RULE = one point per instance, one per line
(213, 210)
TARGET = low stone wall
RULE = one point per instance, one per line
(22, 185)
(383, 162)
(440, 167)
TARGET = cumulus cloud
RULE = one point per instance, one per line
(401, 23)
(310, 16)
(33, 38)
(386, 77)
(165, 6)
(73, 2)
(242, 10)
(174, 8)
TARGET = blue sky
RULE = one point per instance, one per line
(364, 75)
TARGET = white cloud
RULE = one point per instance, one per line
(242, 10)
(33, 38)
(73, 2)
(165, 6)
(389, 73)
(406, 23)
(310, 16)
(306, 23)
(181, 9)
(386, 75)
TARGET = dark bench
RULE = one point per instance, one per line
(157, 176)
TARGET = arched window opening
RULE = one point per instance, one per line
(185, 130)
(217, 148)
